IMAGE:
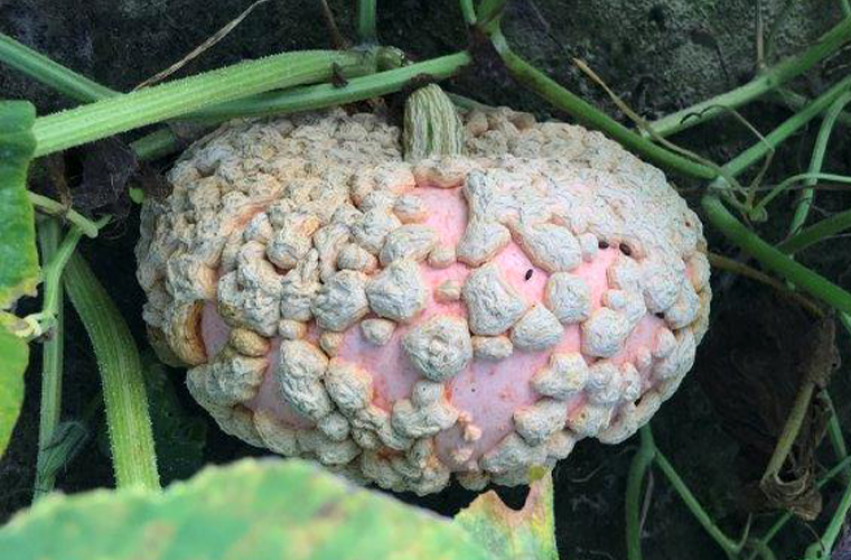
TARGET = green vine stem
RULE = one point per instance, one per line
(52, 276)
(648, 454)
(127, 416)
(730, 547)
(157, 144)
(762, 550)
(468, 12)
(161, 142)
(780, 73)
(490, 14)
(146, 106)
(822, 548)
(813, 173)
(560, 97)
(319, 96)
(46, 71)
(50, 404)
(641, 463)
(786, 129)
(795, 101)
(837, 440)
(772, 258)
(56, 441)
(758, 209)
(78, 87)
(817, 232)
(367, 29)
(805, 202)
(50, 206)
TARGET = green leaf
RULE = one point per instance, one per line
(14, 355)
(509, 534)
(263, 510)
(19, 270)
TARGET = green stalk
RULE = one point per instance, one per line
(65, 80)
(327, 95)
(791, 125)
(824, 546)
(815, 233)
(127, 417)
(46, 71)
(772, 258)
(146, 106)
(50, 206)
(641, 462)
(318, 96)
(586, 113)
(468, 12)
(367, 29)
(432, 127)
(795, 101)
(758, 209)
(762, 550)
(814, 171)
(730, 547)
(50, 405)
(164, 141)
(490, 14)
(52, 274)
(780, 73)
(834, 432)
(805, 202)
(157, 143)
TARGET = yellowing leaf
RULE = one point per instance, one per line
(508, 534)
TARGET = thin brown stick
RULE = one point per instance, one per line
(200, 49)
(340, 43)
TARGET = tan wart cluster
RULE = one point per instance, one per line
(401, 320)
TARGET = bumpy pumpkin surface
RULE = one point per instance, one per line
(401, 321)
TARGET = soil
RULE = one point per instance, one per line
(659, 56)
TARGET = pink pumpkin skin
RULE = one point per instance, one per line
(487, 394)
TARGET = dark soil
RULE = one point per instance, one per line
(658, 55)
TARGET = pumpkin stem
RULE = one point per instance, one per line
(432, 126)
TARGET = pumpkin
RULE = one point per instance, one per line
(472, 295)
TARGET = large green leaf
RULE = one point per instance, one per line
(18, 256)
(528, 533)
(258, 510)
(14, 355)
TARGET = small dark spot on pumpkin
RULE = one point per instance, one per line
(625, 249)
(603, 245)
(528, 274)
